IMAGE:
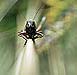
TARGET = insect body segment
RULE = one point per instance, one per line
(30, 32)
(31, 29)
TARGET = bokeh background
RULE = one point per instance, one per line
(57, 50)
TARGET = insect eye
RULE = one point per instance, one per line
(33, 25)
(27, 25)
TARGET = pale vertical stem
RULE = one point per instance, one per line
(56, 62)
(30, 61)
(18, 63)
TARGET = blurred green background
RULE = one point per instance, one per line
(57, 50)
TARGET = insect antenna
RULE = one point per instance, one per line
(43, 6)
(37, 11)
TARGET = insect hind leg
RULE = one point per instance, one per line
(25, 42)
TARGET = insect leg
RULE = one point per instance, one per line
(33, 40)
(22, 37)
(38, 35)
(25, 42)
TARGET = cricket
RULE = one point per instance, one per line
(31, 31)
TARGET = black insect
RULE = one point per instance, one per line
(30, 32)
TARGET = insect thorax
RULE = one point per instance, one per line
(31, 28)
